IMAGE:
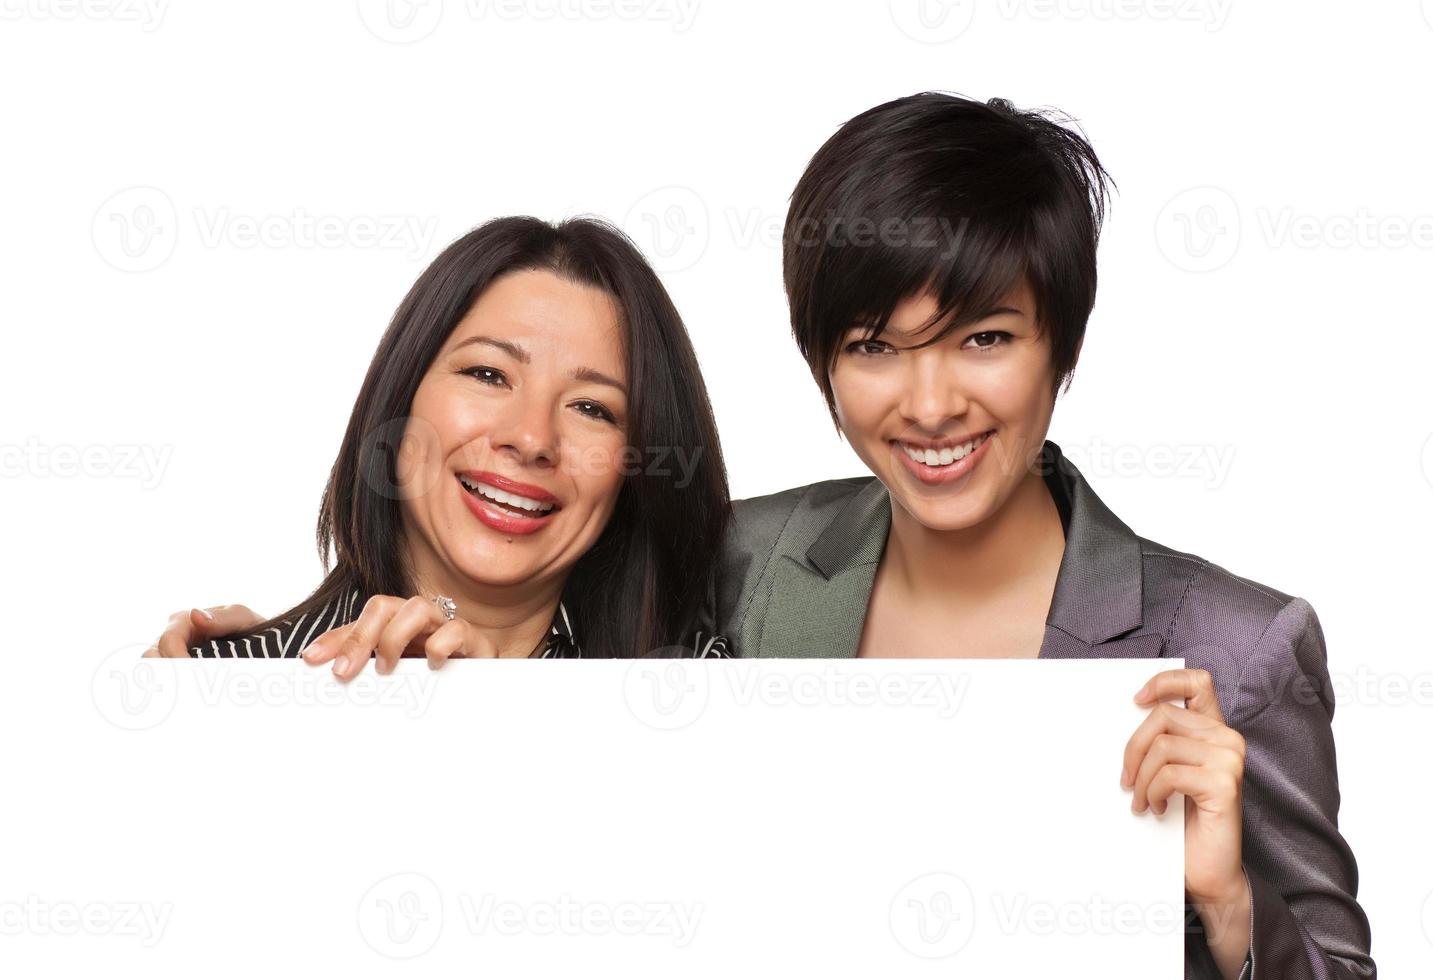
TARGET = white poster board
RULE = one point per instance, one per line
(625, 819)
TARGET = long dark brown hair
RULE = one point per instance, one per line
(641, 586)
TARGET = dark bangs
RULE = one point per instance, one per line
(941, 194)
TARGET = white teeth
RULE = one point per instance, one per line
(943, 457)
(503, 497)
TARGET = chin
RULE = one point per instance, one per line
(493, 571)
(947, 515)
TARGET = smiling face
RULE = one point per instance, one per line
(511, 461)
(951, 428)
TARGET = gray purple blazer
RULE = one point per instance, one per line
(795, 578)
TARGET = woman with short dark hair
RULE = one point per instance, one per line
(940, 267)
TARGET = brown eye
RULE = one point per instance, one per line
(987, 339)
(487, 375)
(869, 347)
(595, 410)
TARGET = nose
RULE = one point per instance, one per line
(526, 433)
(933, 394)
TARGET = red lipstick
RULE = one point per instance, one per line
(508, 520)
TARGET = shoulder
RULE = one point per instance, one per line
(1179, 584)
(761, 521)
(1251, 635)
(787, 521)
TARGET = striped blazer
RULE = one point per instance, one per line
(289, 638)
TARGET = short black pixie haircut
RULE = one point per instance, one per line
(941, 193)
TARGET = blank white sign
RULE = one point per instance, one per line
(626, 819)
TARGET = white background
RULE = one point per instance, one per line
(1253, 386)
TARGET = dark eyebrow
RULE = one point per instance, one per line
(998, 311)
(512, 350)
(992, 312)
(597, 377)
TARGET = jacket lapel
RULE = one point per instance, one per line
(1098, 606)
(1061, 645)
(819, 599)
(813, 616)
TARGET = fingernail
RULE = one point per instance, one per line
(1140, 694)
(311, 650)
(1158, 808)
(1124, 777)
(207, 614)
(340, 666)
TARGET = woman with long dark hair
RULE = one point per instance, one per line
(529, 468)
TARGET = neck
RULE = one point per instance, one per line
(1019, 542)
(515, 618)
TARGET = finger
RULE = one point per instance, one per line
(224, 620)
(153, 650)
(446, 642)
(177, 637)
(358, 646)
(1175, 720)
(192, 627)
(1195, 686)
(1213, 790)
(416, 617)
(1170, 749)
(325, 646)
(459, 639)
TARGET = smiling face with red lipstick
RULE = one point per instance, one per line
(511, 462)
(950, 426)
(505, 487)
